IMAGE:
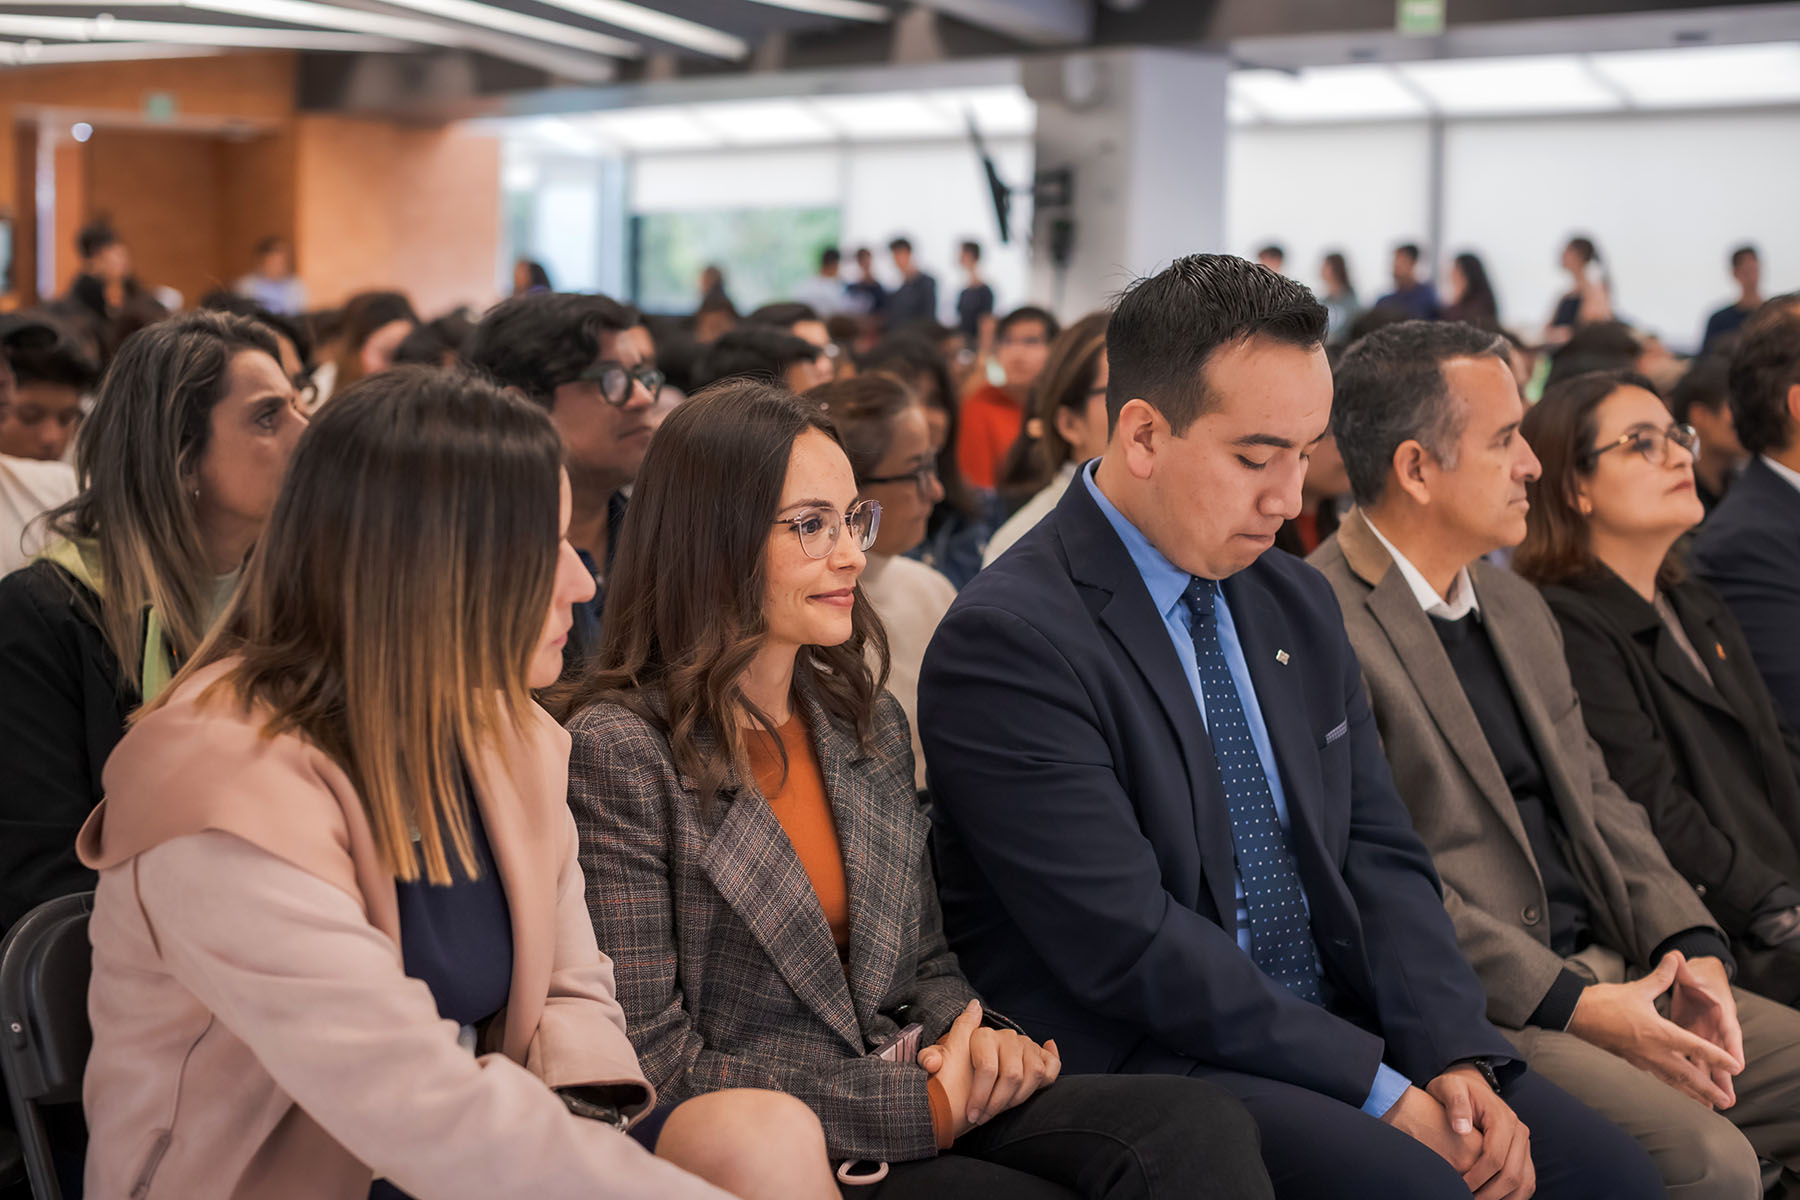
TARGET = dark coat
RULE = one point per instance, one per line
(1714, 764)
(1749, 550)
(62, 710)
(1084, 841)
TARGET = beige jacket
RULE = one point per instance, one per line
(254, 1032)
(1459, 799)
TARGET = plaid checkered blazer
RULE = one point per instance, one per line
(721, 954)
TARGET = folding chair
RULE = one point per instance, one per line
(44, 1034)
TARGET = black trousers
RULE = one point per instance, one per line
(1097, 1137)
(1318, 1148)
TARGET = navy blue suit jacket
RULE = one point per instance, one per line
(1749, 550)
(1084, 846)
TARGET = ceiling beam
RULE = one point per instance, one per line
(844, 10)
(505, 20)
(1034, 22)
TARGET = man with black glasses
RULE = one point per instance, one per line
(589, 360)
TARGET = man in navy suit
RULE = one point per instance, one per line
(1749, 548)
(1166, 833)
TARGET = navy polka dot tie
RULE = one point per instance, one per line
(1280, 934)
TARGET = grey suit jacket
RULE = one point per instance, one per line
(1459, 800)
(722, 957)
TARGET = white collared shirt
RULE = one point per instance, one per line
(1461, 601)
(1786, 472)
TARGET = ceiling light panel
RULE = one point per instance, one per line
(653, 129)
(106, 29)
(1324, 94)
(1498, 86)
(998, 111)
(40, 54)
(891, 116)
(846, 10)
(1703, 77)
(763, 122)
(677, 31)
(506, 20)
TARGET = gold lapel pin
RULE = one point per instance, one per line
(1281, 656)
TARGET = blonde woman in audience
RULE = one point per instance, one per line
(339, 933)
(888, 442)
(179, 464)
(756, 854)
(1067, 426)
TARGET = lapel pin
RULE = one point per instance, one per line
(1720, 647)
(1281, 656)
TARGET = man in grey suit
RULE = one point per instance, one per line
(1600, 962)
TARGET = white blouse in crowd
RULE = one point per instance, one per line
(28, 489)
(910, 598)
(1035, 510)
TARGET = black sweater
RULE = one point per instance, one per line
(62, 710)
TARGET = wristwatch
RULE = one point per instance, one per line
(1488, 1075)
(606, 1114)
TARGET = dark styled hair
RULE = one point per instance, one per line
(242, 306)
(1705, 384)
(1029, 312)
(95, 237)
(1478, 301)
(1410, 249)
(900, 243)
(1389, 389)
(830, 257)
(1165, 328)
(684, 600)
(59, 361)
(863, 408)
(1069, 374)
(919, 363)
(1272, 250)
(535, 274)
(1584, 246)
(1561, 430)
(1741, 253)
(783, 314)
(541, 340)
(754, 352)
(1596, 346)
(1765, 365)
(429, 343)
(1337, 262)
(973, 250)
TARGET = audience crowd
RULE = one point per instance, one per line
(1241, 743)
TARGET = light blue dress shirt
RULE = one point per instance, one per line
(1167, 583)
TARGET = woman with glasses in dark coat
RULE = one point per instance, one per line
(1667, 684)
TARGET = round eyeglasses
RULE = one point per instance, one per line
(1652, 443)
(615, 380)
(924, 477)
(818, 528)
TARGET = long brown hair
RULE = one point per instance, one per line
(684, 600)
(390, 610)
(1068, 375)
(863, 409)
(151, 423)
(1561, 429)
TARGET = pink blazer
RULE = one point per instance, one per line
(254, 1032)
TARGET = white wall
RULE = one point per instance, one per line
(1355, 188)
(1665, 198)
(1665, 195)
(933, 192)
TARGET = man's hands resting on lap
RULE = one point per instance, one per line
(1459, 1116)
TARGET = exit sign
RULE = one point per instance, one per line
(1419, 18)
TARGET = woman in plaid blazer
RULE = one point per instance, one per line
(756, 854)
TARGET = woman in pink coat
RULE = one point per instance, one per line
(340, 942)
